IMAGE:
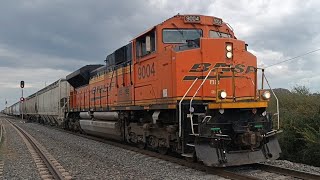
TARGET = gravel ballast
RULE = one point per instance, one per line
(17, 160)
(295, 166)
(88, 159)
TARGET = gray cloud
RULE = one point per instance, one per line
(83, 30)
(53, 38)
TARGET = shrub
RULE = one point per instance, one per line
(300, 121)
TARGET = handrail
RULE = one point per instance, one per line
(190, 108)
(180, 115)
(199, 88)
(277, 100)
(202, 83)
(215, 68)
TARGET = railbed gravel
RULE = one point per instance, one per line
(18, 163)
(250, 171)
(294, 166)
(89, 159)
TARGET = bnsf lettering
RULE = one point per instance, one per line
(203, 67)
(146, 71)
(250, 69)
(221, 65)
(239, 68)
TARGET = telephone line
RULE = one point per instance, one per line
(310, 52)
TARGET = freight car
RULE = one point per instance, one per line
(13, 110)
(186, 85)
(48, 104)
(5, 111)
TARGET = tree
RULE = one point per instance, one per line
(301, 90)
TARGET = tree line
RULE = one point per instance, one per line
(300, 122)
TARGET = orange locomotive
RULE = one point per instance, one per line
(186, 85)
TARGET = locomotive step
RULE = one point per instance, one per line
(189, 155)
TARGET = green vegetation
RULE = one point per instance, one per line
(300, 121)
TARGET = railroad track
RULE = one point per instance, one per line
(1, 133)
(47, 166)
(1, 161)
(223, 172)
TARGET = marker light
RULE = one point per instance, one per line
(223, 94)
(229, 55)
(266, 95)
(228, 47)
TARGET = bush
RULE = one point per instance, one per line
(300, 121)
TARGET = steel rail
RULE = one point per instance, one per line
(1, 133)
(51, 167)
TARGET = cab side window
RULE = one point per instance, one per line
(146, 44)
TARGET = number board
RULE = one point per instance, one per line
(146, 71)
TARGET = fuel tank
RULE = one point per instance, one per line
(101, 128)
(85, 115)
(110, 116)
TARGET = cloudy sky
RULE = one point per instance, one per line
(43, 40)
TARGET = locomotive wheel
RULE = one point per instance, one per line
(141, 145)
(163, 150)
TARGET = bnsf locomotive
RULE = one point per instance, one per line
(186, 85)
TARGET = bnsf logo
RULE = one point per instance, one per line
(203, 67)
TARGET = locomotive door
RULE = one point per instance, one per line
(145, 68)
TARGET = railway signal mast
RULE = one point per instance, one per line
(21, 99)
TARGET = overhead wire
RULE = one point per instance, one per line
(290, 59)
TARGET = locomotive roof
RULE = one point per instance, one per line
(98, 70)
(203, 20)
(82, 75)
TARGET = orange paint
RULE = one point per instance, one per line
(167, 72)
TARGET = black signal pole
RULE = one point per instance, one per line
(21, 99)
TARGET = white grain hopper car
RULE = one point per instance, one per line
(48, 104)
(15, 111)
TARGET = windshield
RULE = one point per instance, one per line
(180, 35)
(215, 34)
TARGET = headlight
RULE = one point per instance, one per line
(229, 55)
(223, 94)
(228, 47)
(266, 95)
